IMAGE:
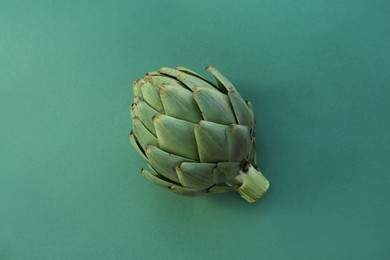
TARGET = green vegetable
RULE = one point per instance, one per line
(197, 137)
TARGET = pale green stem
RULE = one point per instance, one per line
(254, 184)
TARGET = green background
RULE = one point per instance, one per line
(318, 73)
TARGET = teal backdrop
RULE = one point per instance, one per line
(317, 72)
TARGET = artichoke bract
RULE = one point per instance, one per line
(197, 137)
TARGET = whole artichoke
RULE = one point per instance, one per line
(198, 137)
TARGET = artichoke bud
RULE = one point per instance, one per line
(197, 137)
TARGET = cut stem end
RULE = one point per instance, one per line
(254, 184)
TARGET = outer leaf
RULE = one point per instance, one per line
(241, 110)
(143, 135)
(193, 73)
(164, 163)
(193, 82)
(196, 175)
(220, 189)
(239, 142)
(152, 97)
(250, 106)
(178, 103)
(211, 141)
(133, 110)
(153, 73)
(146, 114)
(154, 178)
(137, 87)
(226, 172)
(158, 81)
(133, 107)
(253, 158)
(169, 71)
(136, 145)
(187, 191)
(214, 105)
(222, 80)
(176, 136)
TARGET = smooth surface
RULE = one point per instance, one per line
(317, 72)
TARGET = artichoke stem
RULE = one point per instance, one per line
(254, 184)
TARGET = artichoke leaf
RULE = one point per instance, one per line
(243, 113)
(196, 175)
(143, 135)
(136, 145)
(250, 106)
(155, 179)
(220, 189)
(187, 191)
(146, 114)
(153, 73)
(211, 141)
(214, 105)
(133, 111)
(137, 87)
(226, 172)
(253, 158)
(151, 96)
(239, 142)
(170, 72)
(178, 103)
(193, 82)
(158, 81)
(164, 163)
(240, 107)
(223, 82)
(176, 136)
(193, 73)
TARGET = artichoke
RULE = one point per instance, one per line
(197, 137)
